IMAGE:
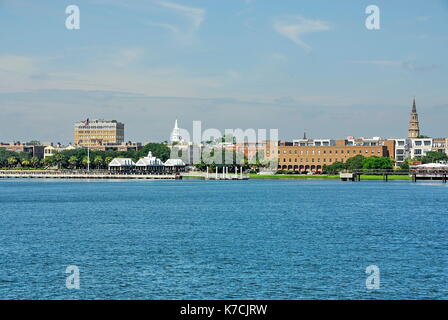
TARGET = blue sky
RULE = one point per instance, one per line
(291, 65)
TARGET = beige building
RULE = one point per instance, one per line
(98, 132)
(312, 158)
(50, 149)
(440, 145)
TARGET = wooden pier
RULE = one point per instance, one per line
(357, 174)
(415, 175)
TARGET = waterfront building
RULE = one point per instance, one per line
(50, 150)
(313, 158)
(36, 151)
(419, 147)
(150, 164)
(98, 132)
(125, 146)
(362, 141)
(413, 127)
(174, 166)
(250, 150)
(440, 145)
(402, 151)
(121, 164)
(313, 142)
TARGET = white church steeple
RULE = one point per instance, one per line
(175, 134)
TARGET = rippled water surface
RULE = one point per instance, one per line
(223, 240)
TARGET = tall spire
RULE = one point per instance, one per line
(414, 127)
(175, 134)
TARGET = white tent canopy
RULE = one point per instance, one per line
(431, 166)
(174, 163)
(121, 162)
(149, 161)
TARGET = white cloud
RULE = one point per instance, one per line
(195, 15)
(294, 27)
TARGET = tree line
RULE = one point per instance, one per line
(78, 159)
(360, 162)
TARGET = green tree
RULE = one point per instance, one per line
(12, 161)
(159, 150)
(107, 160)
(376, 163)
(34, 142)
(26, 163)
(355, 163)
(48, 162)
(73, 162)
(85, 161)
(334, 168)
(60, 160)
(433, 157)
(35, 162)
(404, 165)
(98, 161)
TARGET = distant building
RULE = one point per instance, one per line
(50, 150)
(414, 127)
(313, 158)
(36, 151)
(313, 142)
(125, 146)
(419, 147)
(98, 132)
(440, 145)
(402, 150)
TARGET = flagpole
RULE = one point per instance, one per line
(88, 157)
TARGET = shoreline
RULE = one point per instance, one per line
(323, 177)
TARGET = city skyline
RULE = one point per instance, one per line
(242, 64)
(413, 119)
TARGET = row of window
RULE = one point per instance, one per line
(97, 131)
(96, 137)
(425, 142)
(97, 127)
(325, 151)
(313, 160)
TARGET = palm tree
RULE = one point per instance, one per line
(84, 161)
(34, 162)
(73, 162)
(98, 161)
(58, 159)
(12, 161)
(25, 163)
(48, 161)
(107, 160)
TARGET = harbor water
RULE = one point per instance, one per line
(256, 239)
